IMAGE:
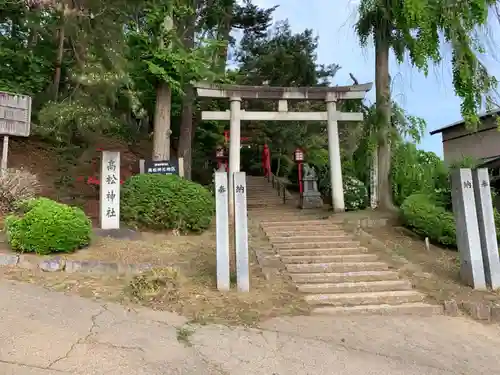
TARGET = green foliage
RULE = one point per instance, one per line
(355, 194)
(416, 171)
(427, 219)
(166, 202)
(44, 226)
(355, 191)
(284, 163)
(73, 122)
(414, 28)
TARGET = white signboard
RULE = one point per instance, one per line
(110, 190)
(15, 114)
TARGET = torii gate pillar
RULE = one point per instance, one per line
(334, 155)
(234, 143)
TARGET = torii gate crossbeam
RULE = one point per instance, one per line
(330, 95)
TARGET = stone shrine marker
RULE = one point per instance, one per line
(222, 230)
(487, 230)
(110, 190)
(467, 229)
(241, 231)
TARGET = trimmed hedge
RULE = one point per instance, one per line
(44, 226)
(166, 202)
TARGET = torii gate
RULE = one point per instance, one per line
(330, 95)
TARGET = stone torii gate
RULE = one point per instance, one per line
(330, 95)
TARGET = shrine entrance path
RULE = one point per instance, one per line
(336, 275)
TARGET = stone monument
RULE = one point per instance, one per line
(311, 197)
(109, 198)
(222, 230)
(467, 229)
(241, 231)
(487, 229)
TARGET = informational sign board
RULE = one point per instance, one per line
(15, 114)
(110, 190)
(165, 167)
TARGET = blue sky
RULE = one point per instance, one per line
(431, 98)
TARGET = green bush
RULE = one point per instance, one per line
(355, 194)
(166, 202)
(427, 219)
(355, 191)
(44, 226)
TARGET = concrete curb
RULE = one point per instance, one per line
(58, 264)
(486, 312)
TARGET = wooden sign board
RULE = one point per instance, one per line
(15, 114)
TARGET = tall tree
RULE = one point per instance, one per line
(413, 28)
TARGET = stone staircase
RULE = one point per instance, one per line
(327, 264)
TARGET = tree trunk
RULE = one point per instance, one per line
(384, 123)
(186, 133)
(59, 58)
(223, 35)
(161, 135)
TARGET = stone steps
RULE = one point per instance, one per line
(325, 251)
(341, 237)
(368, 298)
(355, 287)
(310, 259)
(415, 308)
(300, 232)
(291, 224)
(336, 275)
(336, 267)
(311, 245)
(343, 277)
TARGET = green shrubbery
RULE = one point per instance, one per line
(44, 226)
(284, 163)
(355, 191)
(166, 202)
(427, 219)
(355, 194)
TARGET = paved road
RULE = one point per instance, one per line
(45, 333)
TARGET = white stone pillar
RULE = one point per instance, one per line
(334, 156)
(234, 145)
(374, 180)
(109, 195)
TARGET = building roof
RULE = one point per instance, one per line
(462, 122)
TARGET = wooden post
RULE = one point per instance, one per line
(5, 152)
(181, 167)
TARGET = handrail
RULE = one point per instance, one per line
(280, 185)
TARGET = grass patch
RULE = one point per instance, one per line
(183, 280)
(183, 335)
